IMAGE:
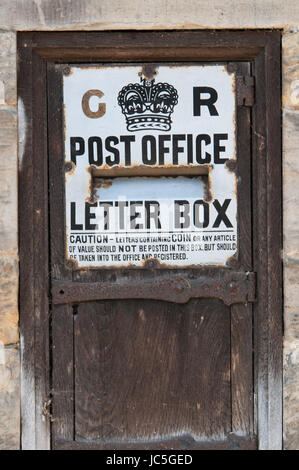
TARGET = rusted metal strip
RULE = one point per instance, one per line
(231, 288)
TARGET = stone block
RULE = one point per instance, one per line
(9, 333)
(8, 138)
(290, 185)
(8, 69)
(290, 123)
(291, 302)
(8, 181)
(9, 398)
(8, 211)
(8, 94)
(159, 14)
(290, 54)
(290, 70)
(291, 395)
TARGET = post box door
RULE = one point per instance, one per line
(151, 351)
(153, 344)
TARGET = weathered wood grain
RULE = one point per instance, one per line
(242, 370)
(62, 377)
(148, 370)
(26, 262)
(125, 358)
(185, 442)
(62, 391)
(267, 226)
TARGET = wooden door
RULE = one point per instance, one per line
(151, 357)
(154, 358)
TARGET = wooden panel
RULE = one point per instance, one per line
(62, 372)
(62, 316)
(150, 370)
(152, 45)
(56, 174)
(40, 247)
(244, 178)
(34, 265)
(242, 369)
(267, 222)
(241, 314)
(25, 203)
(186, 442)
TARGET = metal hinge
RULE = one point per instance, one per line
(232, 287)
(245, 90)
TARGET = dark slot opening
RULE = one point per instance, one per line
(143, 170)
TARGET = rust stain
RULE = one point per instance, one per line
(156, 265)
(103, 67)
(231, 165)
(102, 183)
(69, 167)
(151, 263)
(71, 264)
(235, 190)
(149, 71)
(237, 180)
(230, 287)
(92, 196)
(147, 170)
(232, 261)
(234, 87)
(64, 122)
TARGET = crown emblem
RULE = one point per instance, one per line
(148, 105)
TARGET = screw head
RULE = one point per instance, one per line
(69, 264)
(66, 70)
(68, 166)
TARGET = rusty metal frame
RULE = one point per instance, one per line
(230, 287)
(38, 49)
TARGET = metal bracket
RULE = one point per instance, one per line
(245, 90)
(230, 287)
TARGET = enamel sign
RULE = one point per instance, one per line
(149, 153)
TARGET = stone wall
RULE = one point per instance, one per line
(290, 110)
(9, 336)
(25, 15)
